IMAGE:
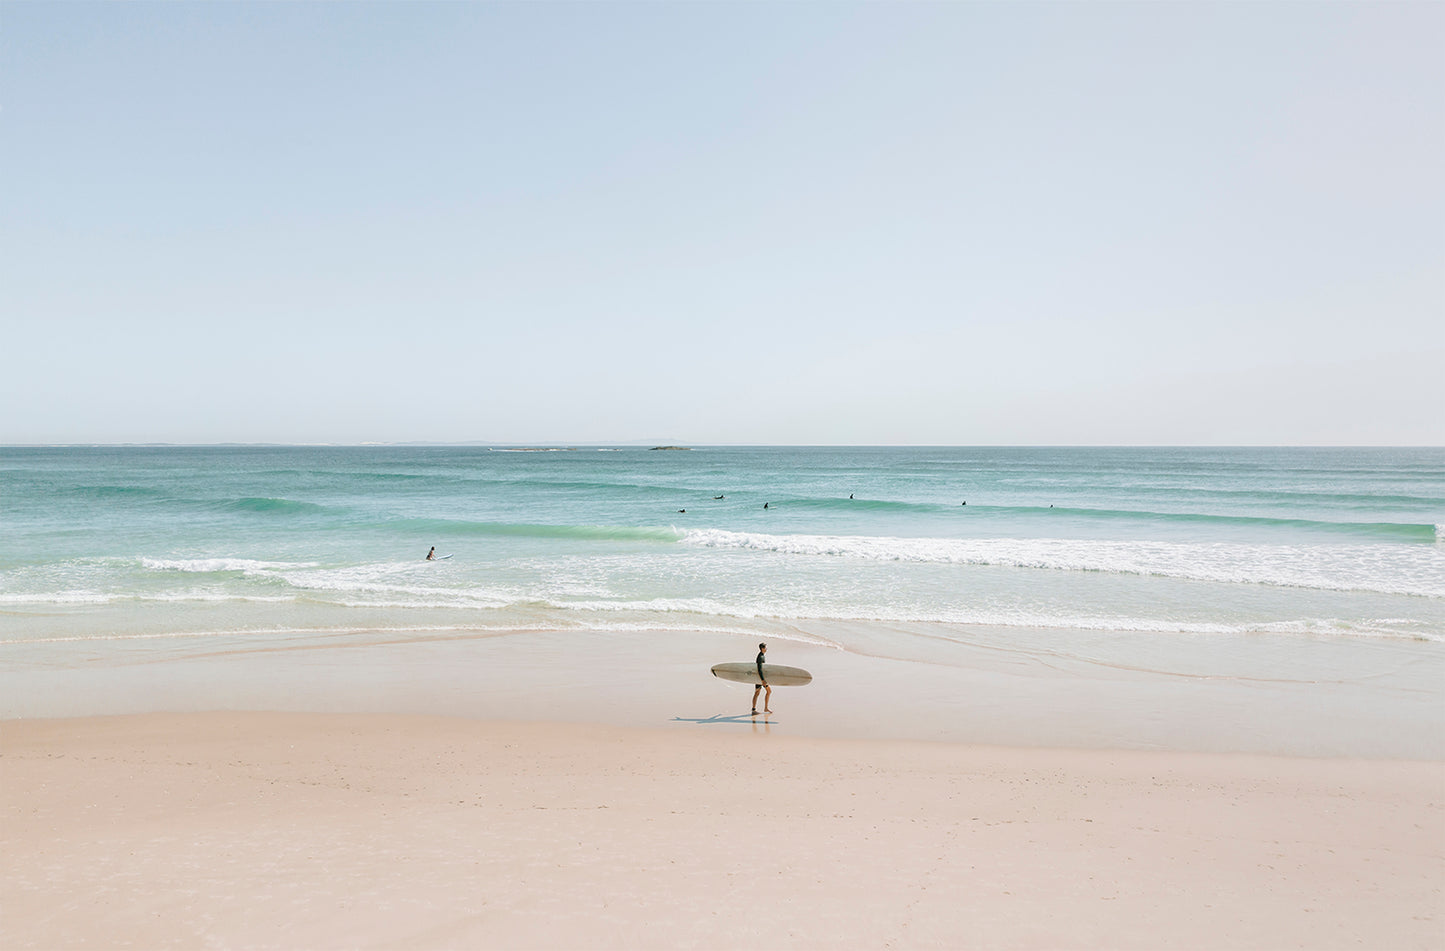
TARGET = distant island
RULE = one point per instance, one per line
(677, 448)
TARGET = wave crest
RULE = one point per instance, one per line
(209, 565)
(1384, 569)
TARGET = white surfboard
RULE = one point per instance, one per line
(778, 675)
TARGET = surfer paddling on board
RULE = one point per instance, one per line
(767, 697)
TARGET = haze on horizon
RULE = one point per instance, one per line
(729, 223)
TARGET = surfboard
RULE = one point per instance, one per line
(778, 676)
(437, 558)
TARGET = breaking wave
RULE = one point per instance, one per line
(1376, 568)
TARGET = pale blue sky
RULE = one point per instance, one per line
(714, 222)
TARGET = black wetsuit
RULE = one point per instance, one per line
(760, 668)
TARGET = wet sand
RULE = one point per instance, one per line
(1014, 687)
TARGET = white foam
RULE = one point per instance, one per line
(430, 601)
(1387, 569)
(102, 597)
(206, 565)
(352, 632)
(984, 617)
(664, 606)
(60, 597)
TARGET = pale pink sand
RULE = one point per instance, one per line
(320, 831)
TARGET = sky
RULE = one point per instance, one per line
(785, 223)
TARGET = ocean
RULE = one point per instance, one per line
(1184, 561)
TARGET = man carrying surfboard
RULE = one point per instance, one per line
(762, 684)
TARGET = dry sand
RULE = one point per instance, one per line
(234, 830)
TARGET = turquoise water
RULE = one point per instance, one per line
(100, 546)
(1251, 600)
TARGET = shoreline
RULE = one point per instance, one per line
(390, 830)
(993, 788)
(1013, 688)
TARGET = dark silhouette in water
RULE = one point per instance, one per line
(765, 505)
(432, 555)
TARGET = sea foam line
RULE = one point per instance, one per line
(208, 565)
(1402, 569)
(104, 597)
(574, 626)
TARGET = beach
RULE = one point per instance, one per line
(335, 831)
(1198, 704)
(559, 790)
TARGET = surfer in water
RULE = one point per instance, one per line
(767, 697)
(432, 555)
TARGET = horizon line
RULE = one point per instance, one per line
(649, 444)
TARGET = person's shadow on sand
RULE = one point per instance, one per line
(720, 718)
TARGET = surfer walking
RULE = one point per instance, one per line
(763, 684)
